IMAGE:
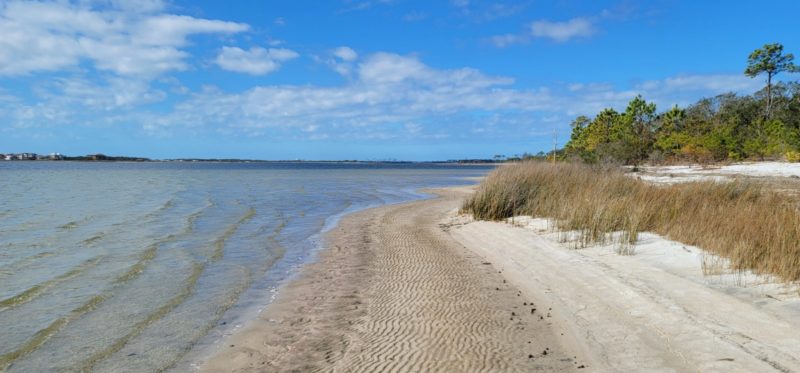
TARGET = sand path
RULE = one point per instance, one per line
(633, 313)
(394, 292)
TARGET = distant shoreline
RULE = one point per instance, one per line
(211, 160)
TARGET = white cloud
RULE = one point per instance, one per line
(559, 32)
(714, 82)
(345, 54)
(141, 6)
(676, 90)
(562, 31)
(55, 36)
(342, 60)
(255, 61)
(505, 40)
(78, 101)
(388, 88)
(391, 68)
(113, 95)
(386, 95)
(395, 95)
(172, 30)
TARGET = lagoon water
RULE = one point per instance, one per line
(130, 266)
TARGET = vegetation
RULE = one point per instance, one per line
(753, 226)
(769, 60)
(725, 127)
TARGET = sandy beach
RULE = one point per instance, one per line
(393, 291)
(416, 287)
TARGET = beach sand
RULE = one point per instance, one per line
(393, 291)
(417, 287)
(652, 311)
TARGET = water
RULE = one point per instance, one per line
(130, 266)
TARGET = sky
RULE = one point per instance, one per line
(358, 79)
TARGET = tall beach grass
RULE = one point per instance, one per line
(753, 226)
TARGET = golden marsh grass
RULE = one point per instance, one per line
(745, 221)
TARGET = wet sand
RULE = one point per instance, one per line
(393, 291)
(417, 287)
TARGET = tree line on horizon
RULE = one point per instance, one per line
(764, 125)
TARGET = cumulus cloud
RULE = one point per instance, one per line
(54, 36)
(387, 89)
(342, 60)
(345, 54)
(78, 101)
(116, 93)
(391, 68)
(559, 32)
(386, 95)
(398, 92)
(562, 31)
(255, 61)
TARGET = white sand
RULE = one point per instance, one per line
(652, 311)
(687, 173)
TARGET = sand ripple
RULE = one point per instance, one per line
(394, 293)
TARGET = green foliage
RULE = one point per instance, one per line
(577, 141)
(770, 60)
(725, 127)
(670, 138)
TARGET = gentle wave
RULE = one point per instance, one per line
(219, 243)
(137, 328)
(41, 336)
(125, 257)
(38, 289)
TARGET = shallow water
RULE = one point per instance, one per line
(129, 266)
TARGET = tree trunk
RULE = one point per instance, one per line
(769, 94)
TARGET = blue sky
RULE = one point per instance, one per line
(357, 79)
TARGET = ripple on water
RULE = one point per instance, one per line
(126, 267)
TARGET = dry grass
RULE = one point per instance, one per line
(753, 226)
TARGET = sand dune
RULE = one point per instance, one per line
(395, 293)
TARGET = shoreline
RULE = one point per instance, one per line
(417, 287)
(334, 313)
(213, 343)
